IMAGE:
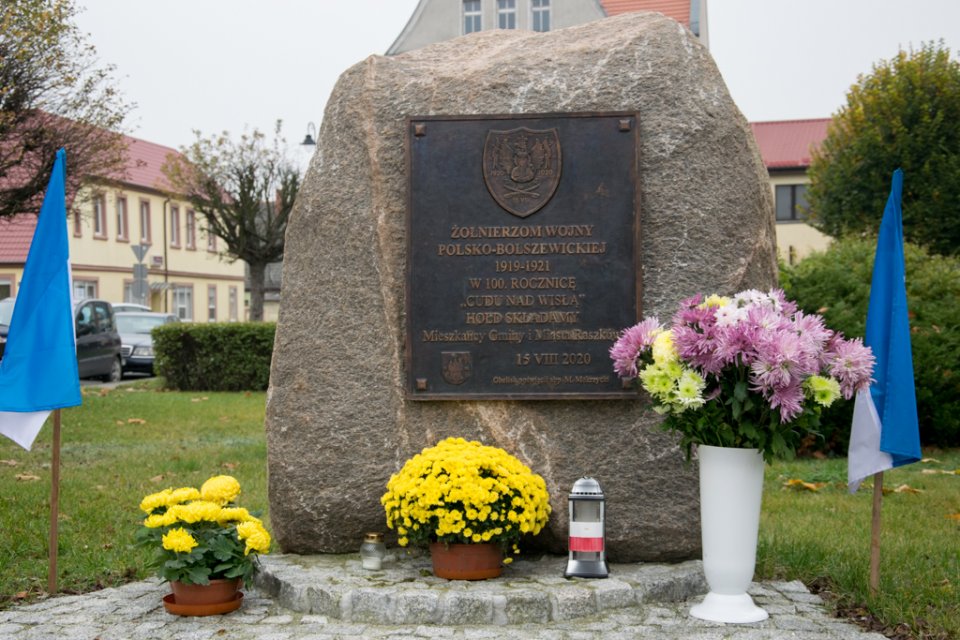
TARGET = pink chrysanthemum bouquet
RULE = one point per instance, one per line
(749, 371)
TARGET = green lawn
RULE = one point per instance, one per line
(822, 537)
(117, 447)
(123, 444)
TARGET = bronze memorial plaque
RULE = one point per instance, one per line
(522, 249)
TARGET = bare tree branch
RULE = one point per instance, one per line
(52, 95)
(245, 190)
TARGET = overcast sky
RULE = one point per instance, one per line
(217, 65)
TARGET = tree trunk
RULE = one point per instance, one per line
(257, 276)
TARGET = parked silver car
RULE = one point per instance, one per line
(123, 307)
(137, 342)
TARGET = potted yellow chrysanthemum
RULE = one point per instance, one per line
(206, 545)
(466, 499)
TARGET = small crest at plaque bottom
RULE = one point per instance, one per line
(457, 366)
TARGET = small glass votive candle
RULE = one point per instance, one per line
(372, 551)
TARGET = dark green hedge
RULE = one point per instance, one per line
(232, 356)
(836, 283)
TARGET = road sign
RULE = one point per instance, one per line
(140, 290)
(140, 250)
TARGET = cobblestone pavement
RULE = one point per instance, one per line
(135, 611)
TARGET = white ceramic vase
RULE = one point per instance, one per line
(731, 489)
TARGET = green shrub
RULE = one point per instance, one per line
(836, 283)
(231, 356)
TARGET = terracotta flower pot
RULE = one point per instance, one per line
(217, 592)
(466, 561)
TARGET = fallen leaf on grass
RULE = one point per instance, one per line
(120, 423)
(198, 399)
(796, 483)
(26, 477)
(930, 460)
(158, 478)
(104, 392)
(937, 472)
(904, 488)
(136, 421)
(230, 465)
(9, 463)
(954, 516)
(21, 595)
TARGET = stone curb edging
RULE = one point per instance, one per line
(406, 592)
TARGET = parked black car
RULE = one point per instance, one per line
(137, 342)
(98, 343)
(6, 313)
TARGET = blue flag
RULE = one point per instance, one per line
(885, 432)
(38, 372)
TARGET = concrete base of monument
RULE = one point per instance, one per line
(405, 591)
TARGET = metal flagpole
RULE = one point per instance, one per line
(54, 504)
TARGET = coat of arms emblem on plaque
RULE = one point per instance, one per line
(521, 168)
(457, 366)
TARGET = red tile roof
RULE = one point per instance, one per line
(787, 144)
(144, 162)
(679, 10)
(16, 233)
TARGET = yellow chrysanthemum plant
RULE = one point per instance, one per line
(201, 535)
(465, 492)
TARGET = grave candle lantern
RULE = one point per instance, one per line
(372, 551)
(586, 542)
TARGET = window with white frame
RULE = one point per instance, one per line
(99, 216)
(83, 289)
(211, 303)
(472, 16)
(183, 301)
(234, 307)
(6, 287)
(122, 222)
(507, 14)
(128, 291)
(191, 229)
(175, 226)
(144, 222)
(540, 15)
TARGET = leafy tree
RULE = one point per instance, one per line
(905, 114)
(245, 190)
(52, 95)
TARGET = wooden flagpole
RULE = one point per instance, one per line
(54, 504)
(875, 533)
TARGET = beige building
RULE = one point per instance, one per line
(786, 147)
(111, 219)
